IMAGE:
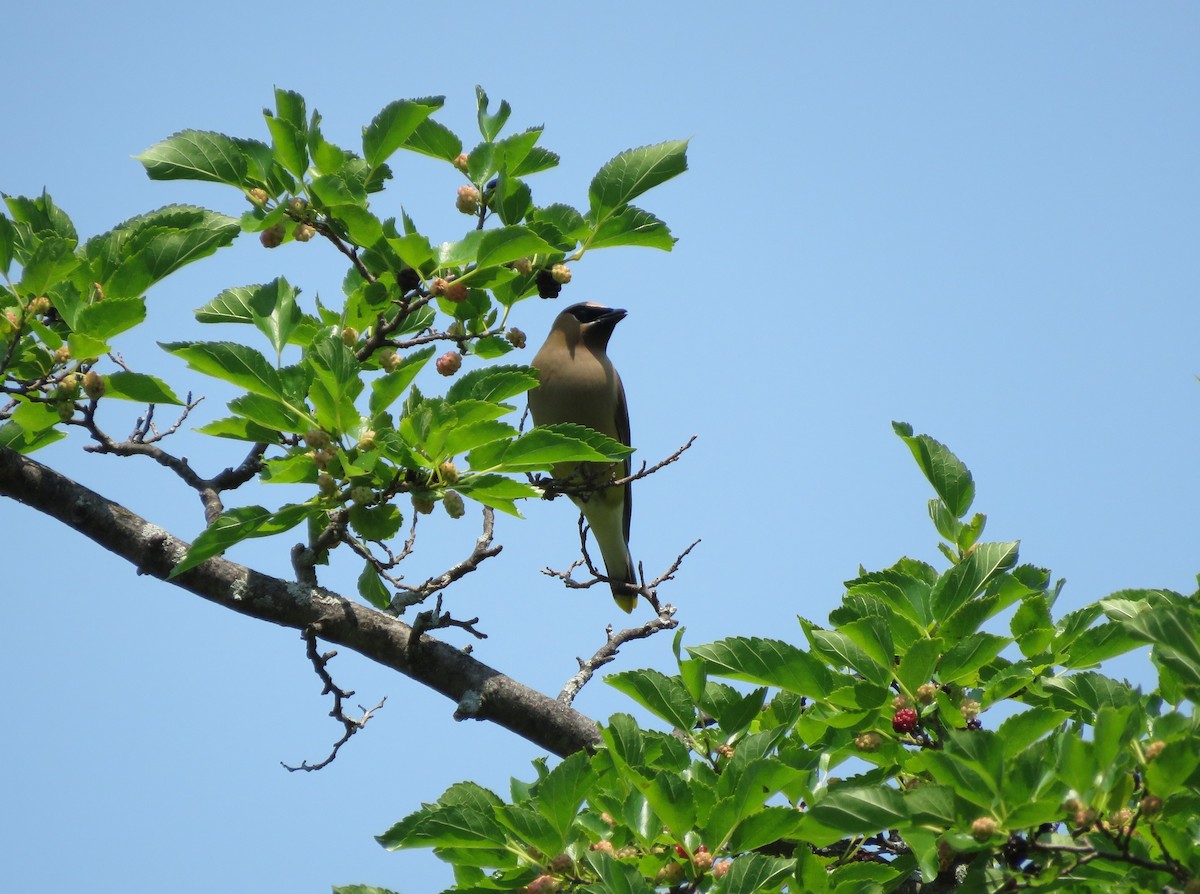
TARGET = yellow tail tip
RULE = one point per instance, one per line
(625, 601)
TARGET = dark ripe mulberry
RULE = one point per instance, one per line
(974, 724)
(408, 279)
(547, 285)
(904, 720)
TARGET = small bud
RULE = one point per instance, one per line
(983, 828)
(926, 693)
(468, 200)
(561, 863)
(326, 484)
(316, 438)
(362, 494)
(561, 274)
(899, 702)
(543, 884)
(515, 337)
(437, 288)
(1154, 749)
(93, 385)
(904, 720)
(523, 266)
(449, 363)
(448, 471)
(349, 336)
(62, 355)
(720, 870)
(868, 741)
(969, 708)
(423, 505)
(389, 360)
(669, 874)
(257, 196)
(39, 305)
(366, 441)
(461, 161)
(604, 847)
(454, 505)
(456, 292)
(303, 232)
(297, 205)
(272, 237)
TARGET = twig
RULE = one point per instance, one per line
(350, 724)
(574, 486)
(482, 550)
(606, 653)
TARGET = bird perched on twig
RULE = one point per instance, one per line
(577, 383)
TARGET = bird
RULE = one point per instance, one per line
(577, 383)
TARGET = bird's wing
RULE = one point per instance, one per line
(623, 437)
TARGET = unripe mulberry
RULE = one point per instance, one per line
(366, 441)
(561, 863)
(389, 360)
(904, 720)
(669, 874)
(456, 292)
(449, 363)
(561, 274)
(543, 884)
(983, 828)
(868, 741)
(899, 702)
(39, 305)
(515, 337)
(726, 751)
(349, 336)
(257, 196)
(523, 266)
(1151, 805)
(272, 237)
(65, 410)
(448, 471)
(326, 484)
(316, 438)
(547, 287)
(68, 388)
(603, 846)
(454, 505)
(926, 693)
(607, 819)
(62, 355)
(1154, 749)
(297, 205)
(93, 385)
(969, 708)
(14, 318)
(627, 852)
(461, 161)
(468, 200)
(303, 232)
(437, 288)
(362, 494)
(422, 505)
(721, 869)
(703, 861)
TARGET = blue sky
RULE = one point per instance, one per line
(978, 219)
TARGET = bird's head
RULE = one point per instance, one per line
(589, 323)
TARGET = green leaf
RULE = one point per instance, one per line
(665, 697)
(542, 448)
(751, 873)
(275, 312)
(196, 155)
(1021, 730)
(1032, 626)
(376, 522)
(110, 317)
(299, 468)
(395, 125)
(564, 789)
(239, 429)
(968, 577)
(272, 413)
(766, 662)
(968, 655)
(632, 226)
(340, 190)
(538, 159)
(229, 362)
(765, 827)
(507, 244)
(8, 237)
(14, 437)
(497, 491)
(290, 144)
(918, 663)
(139, 387)
(145, 249)
(85, 347)
(371, 588)
(445, 826)
(628, 175)
(491, 347)
(433, 138)
(336, 384)
(51, 262)
(530, 827)
(950, 478)
(236, 525)
(616, 877)
(493, 383)
(42, 218)
(490, 125)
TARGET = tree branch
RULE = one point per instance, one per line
(480, 692)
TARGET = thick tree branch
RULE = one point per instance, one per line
(480, 692)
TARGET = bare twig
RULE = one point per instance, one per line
(585, 487)
(482, 550)
(606, 653)
(351, 725)
(306, 558)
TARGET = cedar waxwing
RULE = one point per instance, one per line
(577, 383)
